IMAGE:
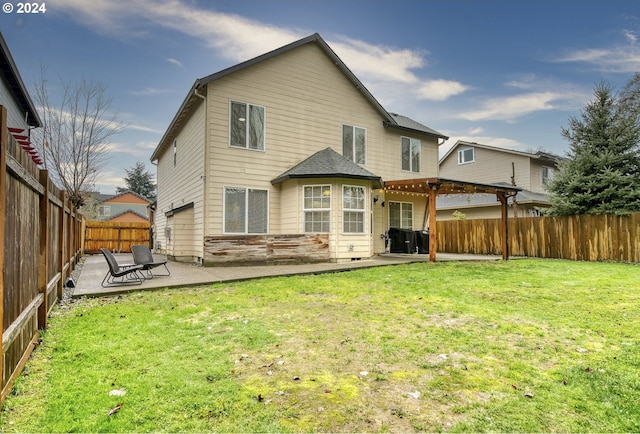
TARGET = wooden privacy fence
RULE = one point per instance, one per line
(581, 238)
(115, 236)
(40, 237)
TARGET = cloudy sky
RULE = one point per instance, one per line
(501, 73)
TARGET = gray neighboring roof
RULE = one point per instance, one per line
(460, 201)
(9, 71)
(326, 164)
(192, 97)
(406, 123)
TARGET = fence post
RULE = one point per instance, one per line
(43, 269)
(3, 200)
(61, 261)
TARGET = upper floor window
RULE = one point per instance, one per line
(354, 144)
(353, 209)
(466, 155)
(246, 210)
(175, 152)
(317, 208)
(411, 154)
(547, 175)
(104, 211)
(247, 126)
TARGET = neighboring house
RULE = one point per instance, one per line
(21, 112)
(124, 207)
(283, 157)
(474, 162)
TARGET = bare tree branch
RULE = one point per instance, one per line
(75, 136)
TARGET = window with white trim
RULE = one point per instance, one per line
(411, 154)
(246, 126)
(547, 174)
(353, 209)
(246, 210)
(317, 208)
(401, 215)
(354, 144)
(104, 211)
(175, 152)
(466, 155)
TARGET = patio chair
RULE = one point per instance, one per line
(120, 274)
(142, 256)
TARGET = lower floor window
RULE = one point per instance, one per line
(246, 210)
(317, 208)
(401, 215)
(353, 209)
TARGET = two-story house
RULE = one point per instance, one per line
(124, 207)
(283, 157)
(475, 162)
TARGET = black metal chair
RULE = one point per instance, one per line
(143, 256)
(120, 274)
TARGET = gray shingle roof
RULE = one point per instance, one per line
(407, 123)
(446, 201)
(326, 164)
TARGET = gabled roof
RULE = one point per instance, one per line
(326, 164)
(193, 97)
(410, 125)
(112, 197)
(130, 212)
(539, 155)
(9, 71)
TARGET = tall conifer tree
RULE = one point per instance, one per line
(602, 172)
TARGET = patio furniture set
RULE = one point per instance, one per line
(132, 274)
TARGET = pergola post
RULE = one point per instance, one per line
(502, 197)
(433, 192)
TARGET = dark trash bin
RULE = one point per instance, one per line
(408, 241)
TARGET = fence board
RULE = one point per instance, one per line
(114, 236)
(581, 238)
(33, 262)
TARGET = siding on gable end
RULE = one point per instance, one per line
(183, 183)
(15, 115)
(489, 167)
(307, 99)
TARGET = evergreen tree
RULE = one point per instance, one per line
(139, 181)
(602, 172)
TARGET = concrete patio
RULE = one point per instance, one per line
(94, 269)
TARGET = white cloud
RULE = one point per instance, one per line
(512, 107)
(174, 62)
(239, 39)
(150, 91)
(618, 58)
(440, 90)
(631, 36)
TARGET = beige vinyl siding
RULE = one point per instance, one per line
(15, 115)
(536, 175)
(306, 99)
(183, 184)
(489, 167)
(185, 246)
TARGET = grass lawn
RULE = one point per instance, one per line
(518, 346)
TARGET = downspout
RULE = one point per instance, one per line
(205, 180)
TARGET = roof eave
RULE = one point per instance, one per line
(414, 130)
(284, 178)
(22, 95)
